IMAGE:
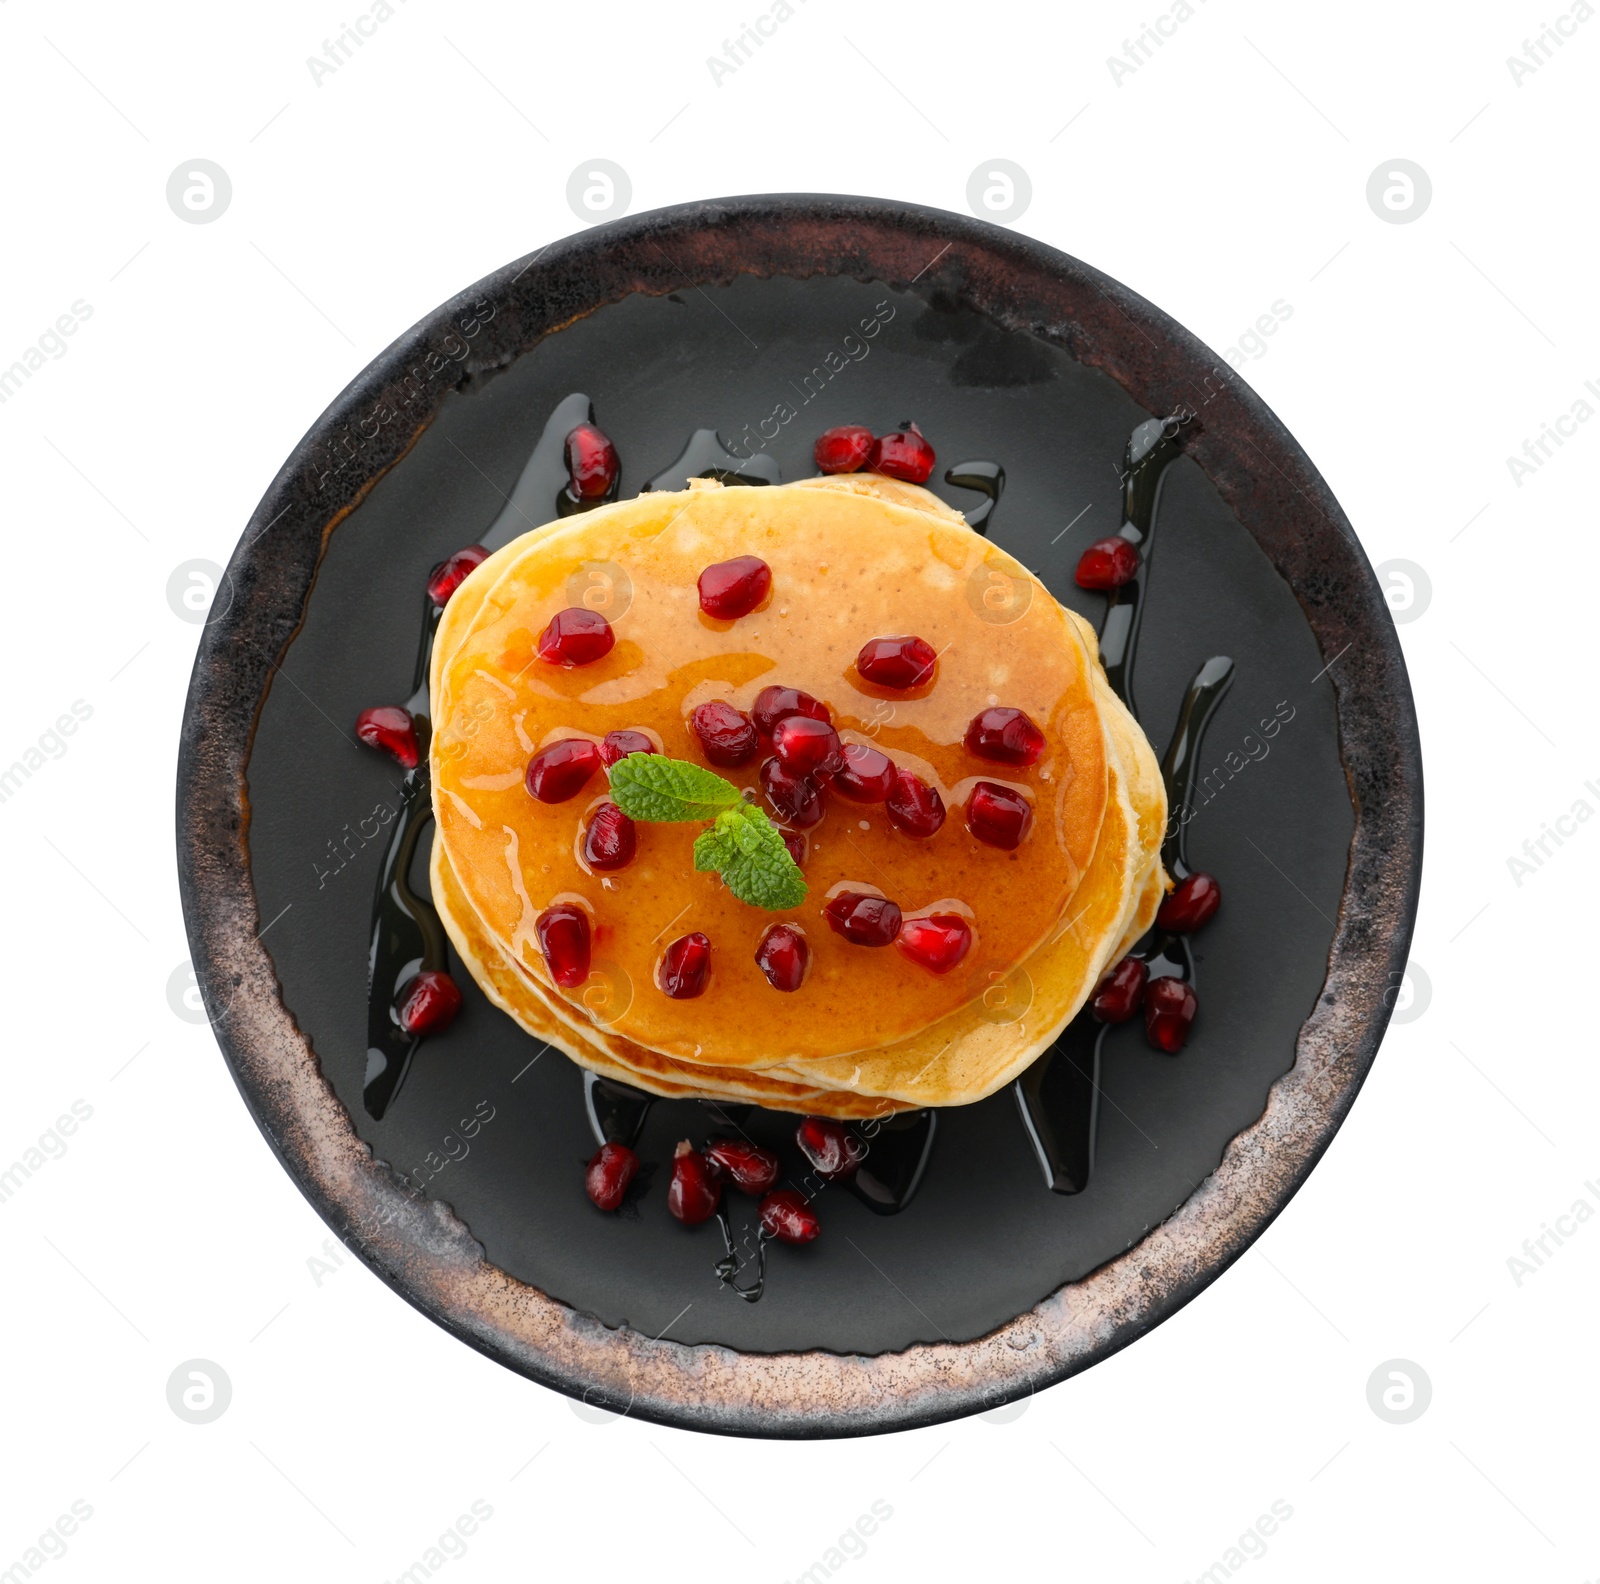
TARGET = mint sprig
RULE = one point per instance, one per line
(741, 844)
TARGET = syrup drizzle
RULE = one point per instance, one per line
(989, 479)
(1059, 1095)
(705, 456)
(407, 934)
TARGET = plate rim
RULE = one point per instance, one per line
(417, 1245)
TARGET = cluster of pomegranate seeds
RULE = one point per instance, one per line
(592, 465)
(904, 662)
(619, 744)
(695, 1190)
(750, 1168)
(449, 575)
(429, 1003)
(1192, 903)
(1118, 995)
(1107, 564)
(726, 734)
(937, 943)
(611, 838)
(1169, 1008)
(902, 454)
(866, 774)
(1005, 736)
(732, 589)
(774, 704)
(392, 730)
(685, 967)
(807, 747)
(795, 799)
(560, 771)
(863, 919)
(787, 1215)
(563, 932)
(609, 1175)
(834, 1151)
(576, 636)
(999, 815)
(843, 450)
(783, 956)
(913, 806)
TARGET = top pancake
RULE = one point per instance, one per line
(847, 566)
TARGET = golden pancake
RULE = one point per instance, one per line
(847, 566)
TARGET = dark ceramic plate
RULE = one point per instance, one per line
(721, 315)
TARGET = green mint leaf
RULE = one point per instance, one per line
(654, 788)
(755, 864)
(713, 850)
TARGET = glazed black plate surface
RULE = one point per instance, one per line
(712, 316)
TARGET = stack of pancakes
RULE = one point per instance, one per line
(852, 558)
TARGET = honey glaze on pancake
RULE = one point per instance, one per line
(846, 568)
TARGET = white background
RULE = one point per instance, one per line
(1227, 172)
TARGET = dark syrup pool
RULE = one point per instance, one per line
(487, 1124)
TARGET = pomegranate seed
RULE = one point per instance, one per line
(725, 733)
(1107, 564)
(1117, 996)
(913, 806)
(563, 932)
(1005, 735)
(429, 1003)
(904, 454)
(795, 799)
(862, 919)
(685, 967)
(866, 776)
(449, 575)
(795, 845)
(999, 815)
(937, 942)
(897, 662)
(750, 1168)
(842, 450)
(1169, 1009)
(787, 1216)
(609, 1174)
(806, 746)
(774, 704)
(1191, 904)
(833, 1151)
(560, 771)
(576, 637)
(392, 729)
(731, 589)
(611, 839)
(619, 744)
(693, 1193)
(783, 956)
(592, 465)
